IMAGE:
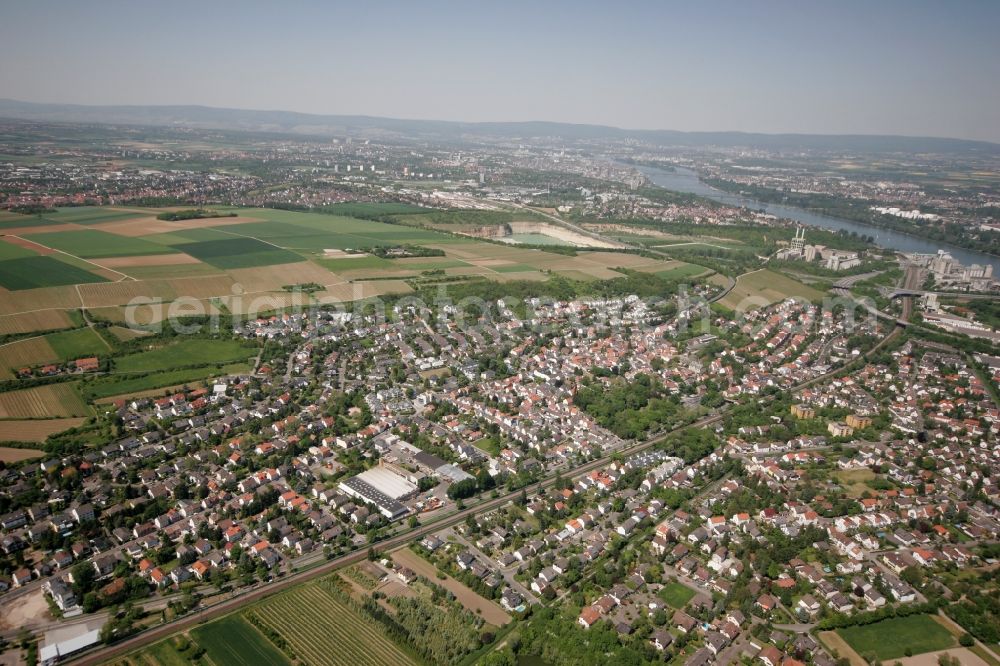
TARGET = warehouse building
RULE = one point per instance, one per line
(383, 488)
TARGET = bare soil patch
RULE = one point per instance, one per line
(146, 226)
(273, 278)
(10, 454)
(964, 655)
(120, 293)
(394, 589)
(43, 298)
(488, 610)
(31, 322)
(33, 430)
(833, 641)
(23, 242)
(26, 609)
(148, 260)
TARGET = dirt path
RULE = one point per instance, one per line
(964, 655)
(486, 609)
(834, 642)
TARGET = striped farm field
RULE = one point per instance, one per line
(32, 300)
(323, 631)
(25, 353)
(35, 430)
(15, 455)
(121, 293)
(39, 402)
(31, 322)
(51, 348)
(232, 641)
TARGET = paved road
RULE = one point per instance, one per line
(506, 572)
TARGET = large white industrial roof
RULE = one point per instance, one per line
(388, 482)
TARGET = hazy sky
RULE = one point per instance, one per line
(878, 66)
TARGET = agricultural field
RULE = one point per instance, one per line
(167, 271)
(40, 402)
(35, 300)
(10, 454)
(54, 347)
(33, 322)
(237, 252)
(356, 262)
(322, 630)
(889, 639)
(35, 430)
(174, 651)
(87, 215)
(42, 271)
(78, 343)
(112, 386)
(91, 243)
(315, 233)
(682, 271)
(232, 641)
(205, 258)
(24, 353)
(183, 353)
(763, 287)
(10, 249)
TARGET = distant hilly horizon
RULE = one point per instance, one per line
(294, 122)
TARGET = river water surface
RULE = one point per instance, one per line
(686, 180)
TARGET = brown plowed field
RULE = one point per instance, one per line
(35, 430)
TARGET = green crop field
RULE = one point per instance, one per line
(232, 641)
(889, 639)
(90, 243)
(676, 594)
(71, 345)
(323, 631)
(335, 230)
(765, 287)
(44, 271)
(90, 215)
(11, 251)
(182, 354)
(113, 385)
(238, 252)
(190, 236)
(23, 221)
(687, 270)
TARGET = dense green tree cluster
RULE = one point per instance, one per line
(191, 214)
(979, 614)
(559, 640)
(629, 409)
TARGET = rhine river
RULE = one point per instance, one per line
(686, 180)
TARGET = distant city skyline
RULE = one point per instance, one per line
(893, 67)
